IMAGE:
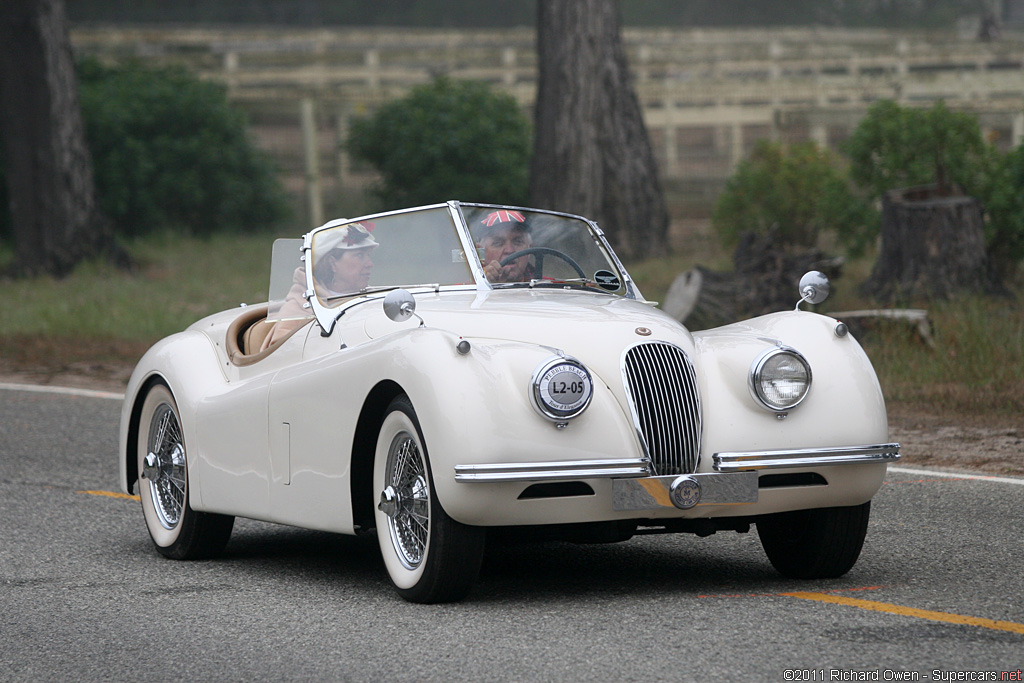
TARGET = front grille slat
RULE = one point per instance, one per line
(677, 394)
(662, 388)
(669, 452)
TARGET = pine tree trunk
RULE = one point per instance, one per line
(592, 155)
(55, 219)
(933, 247)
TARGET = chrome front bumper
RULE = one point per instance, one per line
(804, 457)
(734, 481)
(640, 467)
(552, 471)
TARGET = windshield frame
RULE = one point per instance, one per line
(327, 316)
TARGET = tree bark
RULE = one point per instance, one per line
(933, 247)
(55, 218)
(592, 155)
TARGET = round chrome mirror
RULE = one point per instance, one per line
(399, 305)
(814, 287)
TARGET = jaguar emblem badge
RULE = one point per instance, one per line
(643, 331)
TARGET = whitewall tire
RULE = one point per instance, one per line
(177, 530)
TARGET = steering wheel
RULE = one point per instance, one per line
(540, 252)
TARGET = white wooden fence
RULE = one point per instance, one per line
(707, 95)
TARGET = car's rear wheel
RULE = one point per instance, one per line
(178, 531)
(814, 544)
(429, 556)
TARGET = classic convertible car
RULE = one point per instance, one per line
(434, 374)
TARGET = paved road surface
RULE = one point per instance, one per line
(938, 590)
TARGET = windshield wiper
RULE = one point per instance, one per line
(585, 282)
(379, 288)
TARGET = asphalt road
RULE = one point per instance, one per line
(937, 593)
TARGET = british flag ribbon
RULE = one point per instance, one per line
(503, 216)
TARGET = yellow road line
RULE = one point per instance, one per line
(110, 494)
(911, 611)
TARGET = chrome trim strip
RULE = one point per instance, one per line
(805, 457)
(551, 471)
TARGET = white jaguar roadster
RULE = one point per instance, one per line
(430, 374)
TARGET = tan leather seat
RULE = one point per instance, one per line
(246, 334)
(252, 338)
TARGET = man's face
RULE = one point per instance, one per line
(499, 243)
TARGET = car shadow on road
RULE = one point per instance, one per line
(643, 567)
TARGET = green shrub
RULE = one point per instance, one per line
(797, 191)
(895, 146)
(170, 152)
(446, 140)
(1003, 196)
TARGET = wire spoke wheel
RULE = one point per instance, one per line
(429, 556)
(410, 525)
(165, 466)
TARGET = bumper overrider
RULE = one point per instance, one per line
(734, 481)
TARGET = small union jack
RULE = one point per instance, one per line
(357, 232)
(503, 216)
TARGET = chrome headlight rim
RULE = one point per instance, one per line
(757, 367)
(541, 389)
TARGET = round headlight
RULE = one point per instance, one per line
(561, 388)
(780, 378)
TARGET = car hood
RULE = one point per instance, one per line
(576, 322)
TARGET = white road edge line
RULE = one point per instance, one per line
(67, 391)
(955, 475)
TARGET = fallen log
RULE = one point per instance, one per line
(860, 322)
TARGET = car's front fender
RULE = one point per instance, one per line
(844, 407)
(188, 364)
(475, 408)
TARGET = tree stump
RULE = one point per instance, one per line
(769, 272)
(702, 299)
(933, 247)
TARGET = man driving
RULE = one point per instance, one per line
(501, 234)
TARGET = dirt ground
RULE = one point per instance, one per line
(988, 445)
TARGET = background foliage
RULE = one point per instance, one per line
(170, 152)
(1003, 195)
(796, 192)
(799, 191)
(896, 146)
(447, 140)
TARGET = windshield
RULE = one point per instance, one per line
(429, 247)
(535, 248)
(419, 247)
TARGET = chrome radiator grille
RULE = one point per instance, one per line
(662, 389)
